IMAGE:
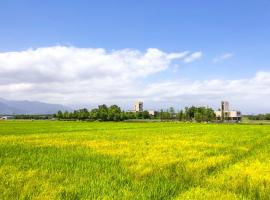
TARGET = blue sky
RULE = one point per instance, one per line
(232, 36)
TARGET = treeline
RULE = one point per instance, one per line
(259, 117)
(114, 113)
(36, 117)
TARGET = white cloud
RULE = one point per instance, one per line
(64, 64)
(192, 57)
(70, 75)
(222, 57)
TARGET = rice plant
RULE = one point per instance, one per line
(82, 160)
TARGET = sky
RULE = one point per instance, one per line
(165, 53)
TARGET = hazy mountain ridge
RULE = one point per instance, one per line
(10, 107)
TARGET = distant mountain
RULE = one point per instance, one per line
(10, 107)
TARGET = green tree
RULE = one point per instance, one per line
(209, 115)
(114, 113)
(145, 115)
(103, 112)
(171, 113)
(139, 115)
(59, 114)
(198, 116)
(66, 115)
(180, 115)
(83, 114)
(93, 115)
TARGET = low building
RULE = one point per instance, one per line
(6, 117)
(225, 114)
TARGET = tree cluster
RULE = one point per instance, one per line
(199, 114)
(102, 113)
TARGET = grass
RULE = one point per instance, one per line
(81, 160)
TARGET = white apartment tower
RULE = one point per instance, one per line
(138, 107)
(225, 106)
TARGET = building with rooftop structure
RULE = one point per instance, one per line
(225, 114)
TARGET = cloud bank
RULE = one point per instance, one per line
(87, 76)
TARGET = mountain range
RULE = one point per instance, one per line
(11, 107)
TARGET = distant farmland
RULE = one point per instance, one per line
(81, 160)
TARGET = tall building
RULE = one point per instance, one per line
(225, 110)
(138, 107)
(225, 106)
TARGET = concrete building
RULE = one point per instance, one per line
(138, 107)
(225, 114)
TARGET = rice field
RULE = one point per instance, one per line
(82, 160)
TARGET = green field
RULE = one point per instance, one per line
(82, 160)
